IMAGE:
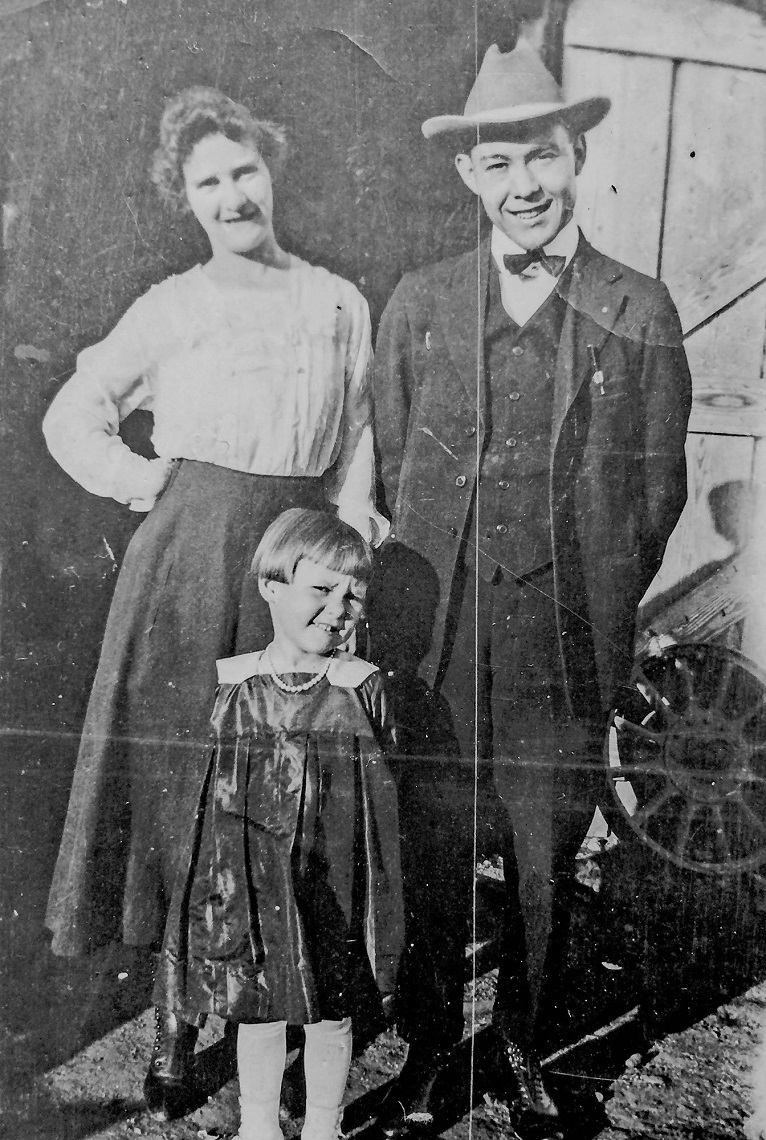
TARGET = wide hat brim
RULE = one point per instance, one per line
(578, 116)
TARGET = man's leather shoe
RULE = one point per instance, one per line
(409, 1109)
(530, 1094)
(166, 1084)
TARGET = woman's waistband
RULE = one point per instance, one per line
(203, 470)
(200, 486)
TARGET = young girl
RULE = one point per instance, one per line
(289, 902)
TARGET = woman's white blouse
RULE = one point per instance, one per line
(271, 382)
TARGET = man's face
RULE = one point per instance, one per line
(527, 187)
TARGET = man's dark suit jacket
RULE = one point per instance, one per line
(617, 450)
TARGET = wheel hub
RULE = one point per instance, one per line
(704, 759)
(687, 760)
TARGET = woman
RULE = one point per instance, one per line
(255, 366)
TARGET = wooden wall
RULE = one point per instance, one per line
(673, 185)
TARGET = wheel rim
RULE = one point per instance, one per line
(686, 754)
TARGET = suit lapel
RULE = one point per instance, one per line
(461, 310)
(595, 302)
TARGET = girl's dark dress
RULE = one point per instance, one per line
(288, 906)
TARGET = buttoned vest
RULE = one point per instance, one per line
(512, 504)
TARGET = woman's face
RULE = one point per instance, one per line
(228, 187)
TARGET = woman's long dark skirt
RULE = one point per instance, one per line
(182, 600)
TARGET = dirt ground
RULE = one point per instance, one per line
(692, 1084)
(666, 958)
(696, 1083)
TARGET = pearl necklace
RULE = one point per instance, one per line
(283, 685)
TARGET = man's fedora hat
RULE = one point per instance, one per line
(516, 87)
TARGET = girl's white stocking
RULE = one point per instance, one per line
(261, 1053)
(327, 1060)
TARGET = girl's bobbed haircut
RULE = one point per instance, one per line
(194, 114)
(317, 535)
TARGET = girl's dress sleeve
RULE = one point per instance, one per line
(112, 379)
(384, 909)
(377, 705)
(350, 482)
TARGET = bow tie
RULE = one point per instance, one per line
(552, 263)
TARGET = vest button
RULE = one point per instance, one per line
(517, 350)
(514, 396)
(511, 442)
(470, 430)
(504, 484)
(501, 528)
(460, 481)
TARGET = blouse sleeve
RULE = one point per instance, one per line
(112, 379)
(350, 482)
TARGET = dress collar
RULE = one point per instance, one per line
(345, 670)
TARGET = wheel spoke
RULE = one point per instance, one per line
(720, 832)
(754, 820)
(751, 713)
(687, 818)
(747, 776)
(643, 814)
(722, 687)
(622, 724)
(687, 676)
(652, 694)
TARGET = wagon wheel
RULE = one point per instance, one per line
(686, 755)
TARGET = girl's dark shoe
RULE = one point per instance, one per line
(166, 1084)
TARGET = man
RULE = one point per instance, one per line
(531, 407)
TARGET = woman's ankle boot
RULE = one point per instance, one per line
(167, 1082)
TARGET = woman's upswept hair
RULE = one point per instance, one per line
(192, 115)
(317, 535)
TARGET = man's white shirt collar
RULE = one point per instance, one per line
(523, 294)
(563, 245)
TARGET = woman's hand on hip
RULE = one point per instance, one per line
(158, 473)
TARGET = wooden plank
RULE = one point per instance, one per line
(714, 239)
(726, 358)
(715, 522)
(719, 275)
(705, 612)
(619, 195)
(706, 30)
(740, 413)
(731, 347)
